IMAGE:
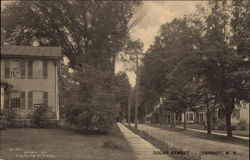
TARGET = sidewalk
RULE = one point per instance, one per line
(215, 133)
(143, 150)
(197, 145)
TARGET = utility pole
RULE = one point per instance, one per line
(136, 48)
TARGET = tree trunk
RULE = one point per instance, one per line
(185, 121)
(166, 119)
(129, 108)
(229, 110)
(208, 122)
(208, 116)
(228, 125)
(123, 114)
(172, 119)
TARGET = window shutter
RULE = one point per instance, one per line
(30, 99)
(23, 99)
(7, 68)
(22, 65)
(30, 69)
(45, 69)
(45, 99)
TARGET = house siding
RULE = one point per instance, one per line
(46, 85)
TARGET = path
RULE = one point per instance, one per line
(215, 133)
(196, 145)
(143, 150)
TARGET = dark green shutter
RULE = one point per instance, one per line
(45, 98)
(22, 65)
(23, 99)
(45, 69)
(30, 99)
(7, 68)
(30, 69)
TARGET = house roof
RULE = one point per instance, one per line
(30, 51)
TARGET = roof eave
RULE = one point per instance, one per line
(28, 56)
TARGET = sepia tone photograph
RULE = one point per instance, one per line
(124, 80)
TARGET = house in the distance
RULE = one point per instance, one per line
(29, 79)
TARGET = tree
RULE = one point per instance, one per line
(167, 65)
(223, 67)
(89, 32)
(96, 107)
(122, 91)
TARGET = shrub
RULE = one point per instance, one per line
(241, 125)
(90, 116)
(95, 108)
(3, 121)
(41, 118)
(220, 125)
(8, 117)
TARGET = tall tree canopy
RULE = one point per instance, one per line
(211, 48)
(88, 31)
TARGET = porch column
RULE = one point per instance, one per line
(2, 99)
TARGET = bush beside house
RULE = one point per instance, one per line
(7, 118)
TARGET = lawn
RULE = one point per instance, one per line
(201, 127)
(199, 144)
(63, 144)
(212, 137)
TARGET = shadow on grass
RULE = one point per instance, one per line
(114, 131)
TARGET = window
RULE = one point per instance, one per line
(14, 68)
(37, 69)
(191, 116)
(17, 99)
(38, 99)
(201, 117)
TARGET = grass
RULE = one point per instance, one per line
(212, 137)
(164, 146)
(63, 144)
(195, 143)
(201, 127)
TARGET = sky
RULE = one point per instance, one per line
(156, 13)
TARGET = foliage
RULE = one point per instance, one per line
(223, 66)
(7, 118)
(220, 125)
(122, 92)
(90, 117)
(89, 32)
(242, 124)
(168, 71)
(96, 106)
(41, 118)
(202, 58)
